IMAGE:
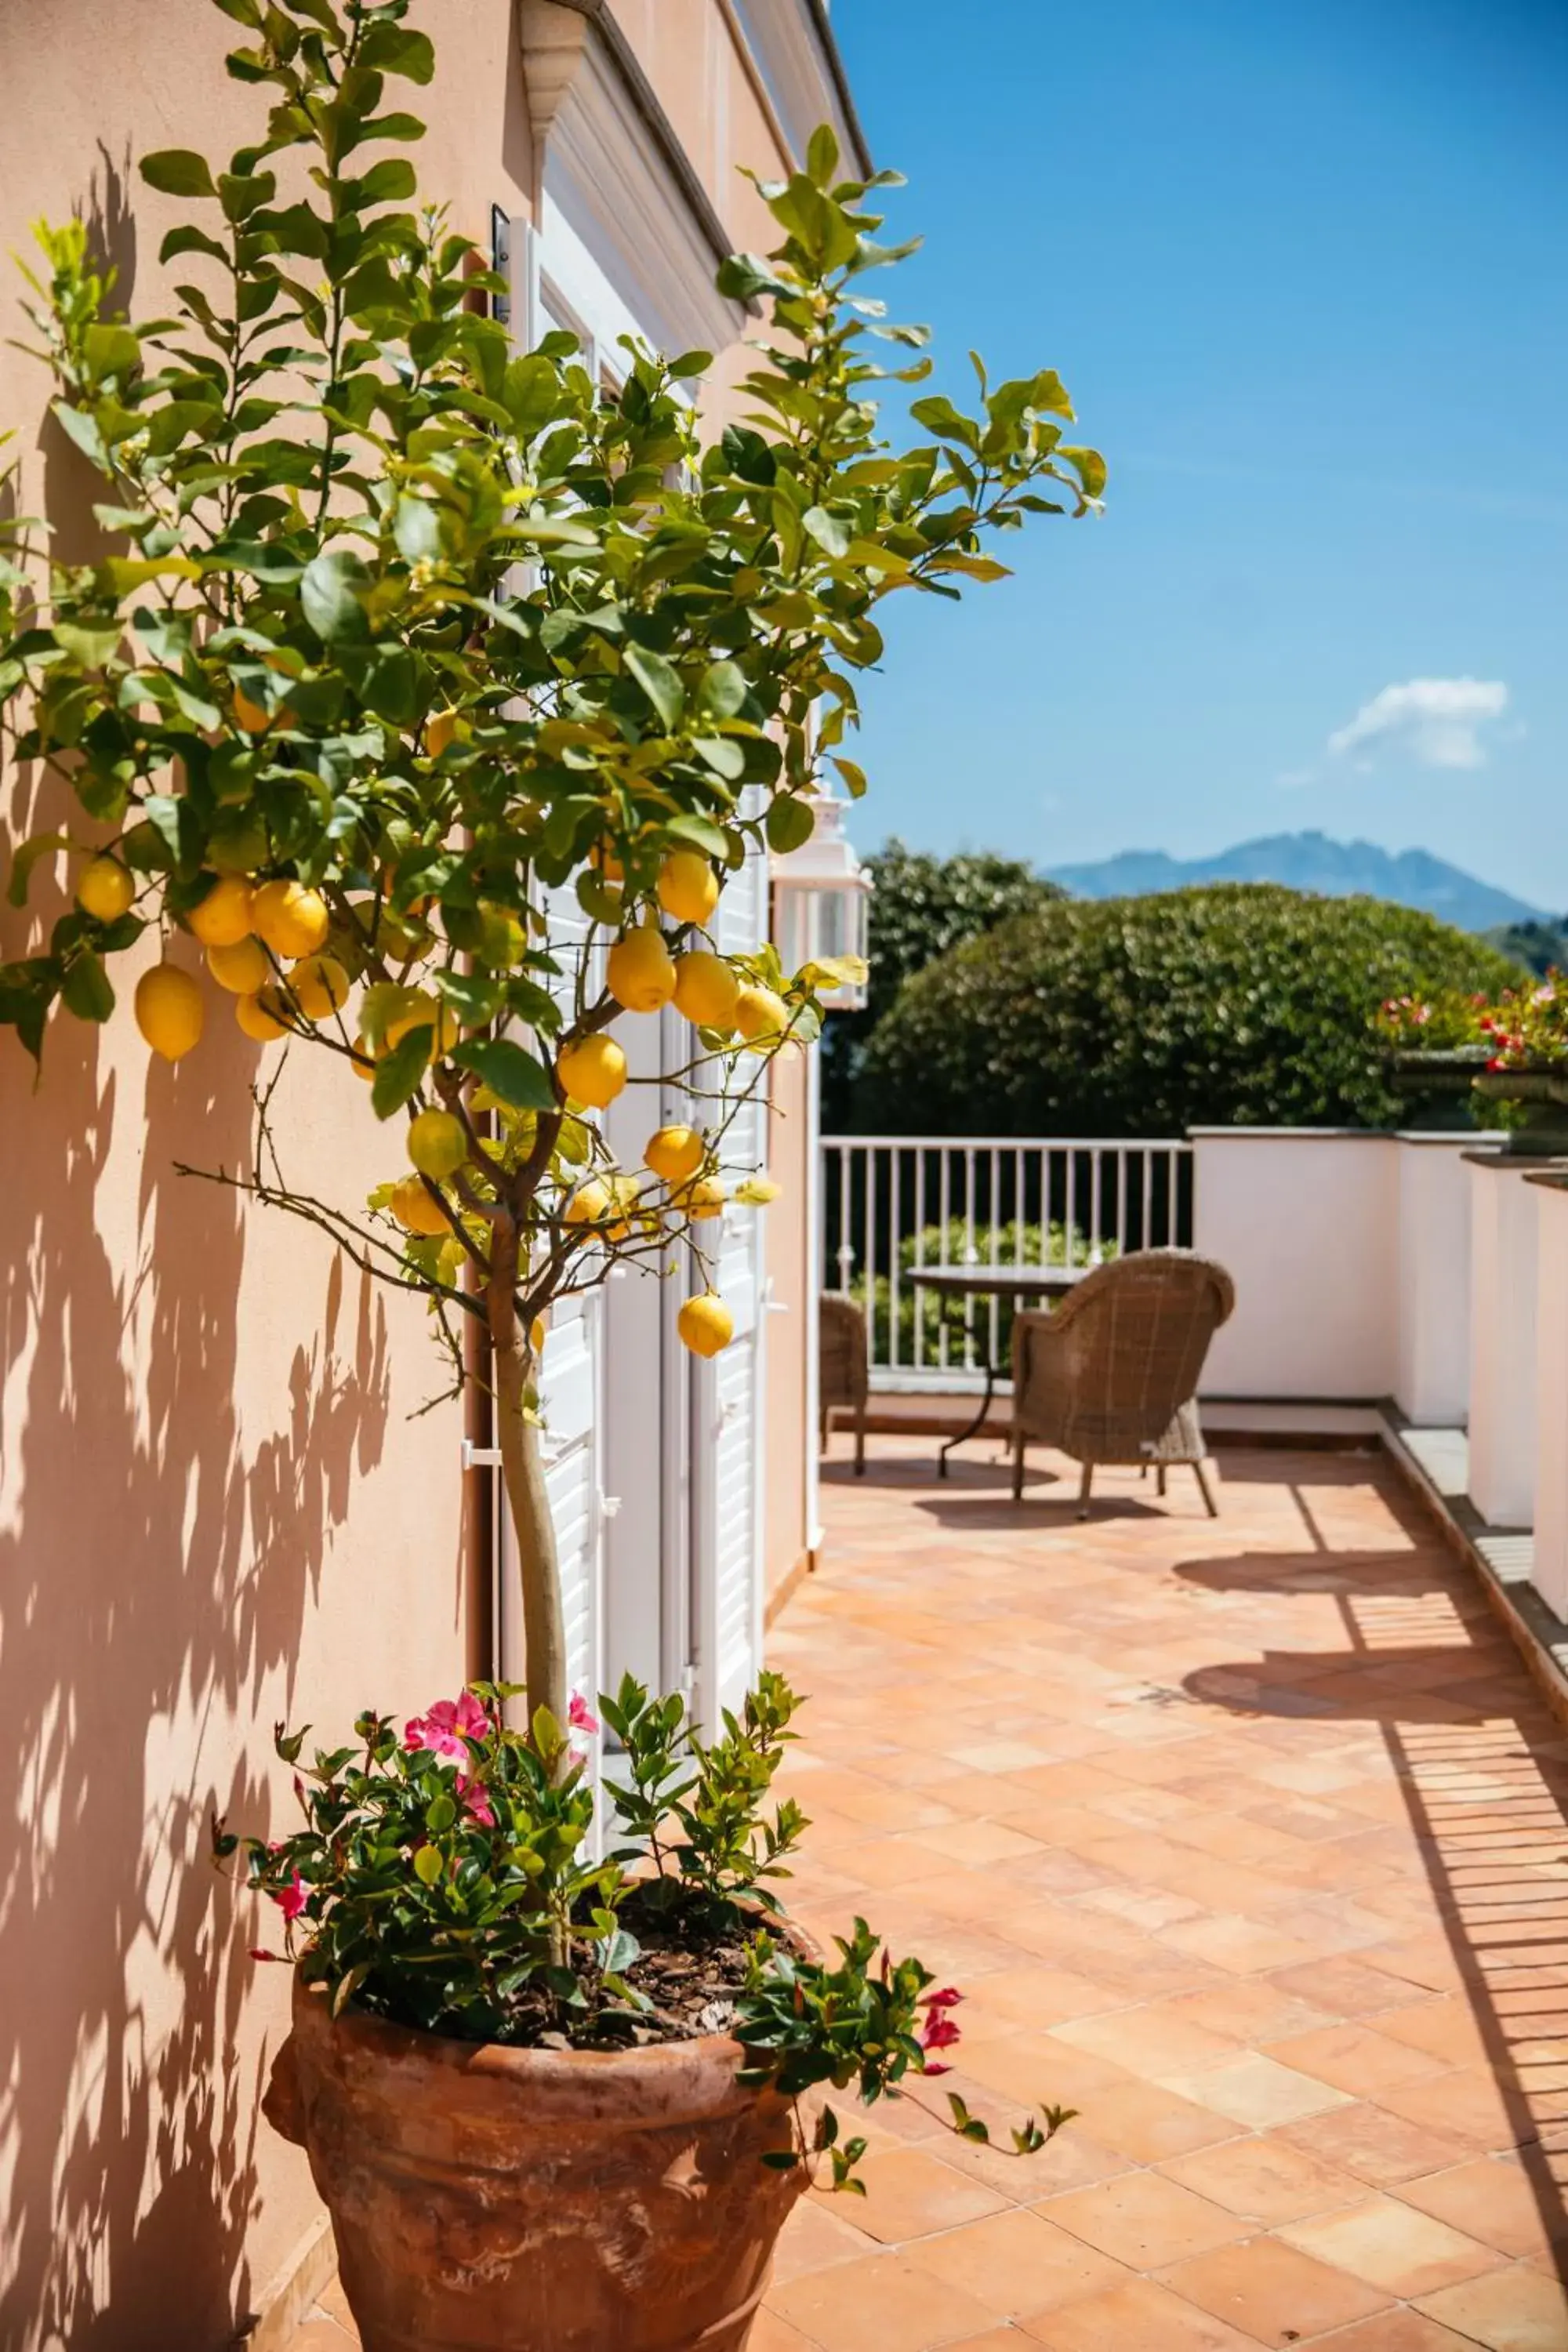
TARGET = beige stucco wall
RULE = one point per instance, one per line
(214, 1510)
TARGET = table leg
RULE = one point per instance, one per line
(976, 1426)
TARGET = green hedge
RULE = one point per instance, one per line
(1241, 1003)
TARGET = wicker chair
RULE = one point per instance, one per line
(1112, 1374)
(843, 1381)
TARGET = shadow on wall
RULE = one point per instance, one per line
(156, 1563)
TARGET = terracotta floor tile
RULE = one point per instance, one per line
(772, 2334)
(1142, 2317)
(1152, 2043)
(1516, 2310)
(885, 2304)
(1017, 2264)
(1257, 2090)
(1391, 2245)
(1265, 2181)
(1244, 1945)
(1465, 2103)
(1446, 2029)
(1347, 1987)
(1149, 2124)
(321, 2336)
(1355, 2058)
(1392, 2331)
(1496, 2199)
(1273, 2292)
(818, 2234)
(335, 2303)
(910, 2195)
(1381, 2148)
(1145, 2219)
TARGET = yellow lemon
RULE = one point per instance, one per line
(604, 858)
(538, 1332)
(593, 1071)
(223, 919)
(258, 1017)
(589, 1204)
(362, 1062)
(706, 1323)
(415, 1210)
(687, 885)
(639, 973)
(439, 730)
(105, 890)
(705, 989)
(319, 986)
(423, 1013)
(674, 1154)
(291, 920)
(169, 1010)
(761, 1016)
(437, 1144)
(242, 968)
(705, 1198)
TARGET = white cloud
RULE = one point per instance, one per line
(1438, 720)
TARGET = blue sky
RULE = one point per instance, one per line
(1304, 266)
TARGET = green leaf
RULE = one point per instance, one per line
(854, 776)
(90, 647)
(389, 182)
(178, 172)
(722, 692)
(111, 349)
(744, 276)
(398, 1072)
(439, 1814)
(428, 1865)
(328, 598)
(391, 49)
(822, 155)
(86, 987)
(695, 831)
(509, 1071)
(41, 845)
(789, 824)
(830, 534)
(659, 682)
(417, 528)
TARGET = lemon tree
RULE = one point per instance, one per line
(410, 638)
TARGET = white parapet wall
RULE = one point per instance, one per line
(1550, 1570)
(1434, 1213)
(1306, 1222)
(1503, 1321)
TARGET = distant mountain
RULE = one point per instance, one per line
(1309, 861)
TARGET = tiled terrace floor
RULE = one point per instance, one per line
(1246, 1839)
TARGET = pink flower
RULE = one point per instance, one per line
(292, 1899)
(473, 1794)
(576, 1756)
(447, 1728)
(580, 1715)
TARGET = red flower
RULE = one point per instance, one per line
(473, 1794)
(946, 1996)
(939, 2031)
(448, 1727)
(292, 1899)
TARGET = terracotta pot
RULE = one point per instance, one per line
(487, 2200)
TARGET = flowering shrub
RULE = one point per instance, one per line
(1520, 1029)
(442, 1878)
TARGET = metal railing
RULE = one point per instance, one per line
(893, 1204)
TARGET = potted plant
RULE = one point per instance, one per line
(1511, 1053)
(409, 641)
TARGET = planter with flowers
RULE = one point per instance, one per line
(410, 639)
(1511, 1053)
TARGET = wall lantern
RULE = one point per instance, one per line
(822, 899)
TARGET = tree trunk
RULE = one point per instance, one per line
(544, 1626)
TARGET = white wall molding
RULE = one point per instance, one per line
(1503, 1341)
(802, 80)
(606, 157)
